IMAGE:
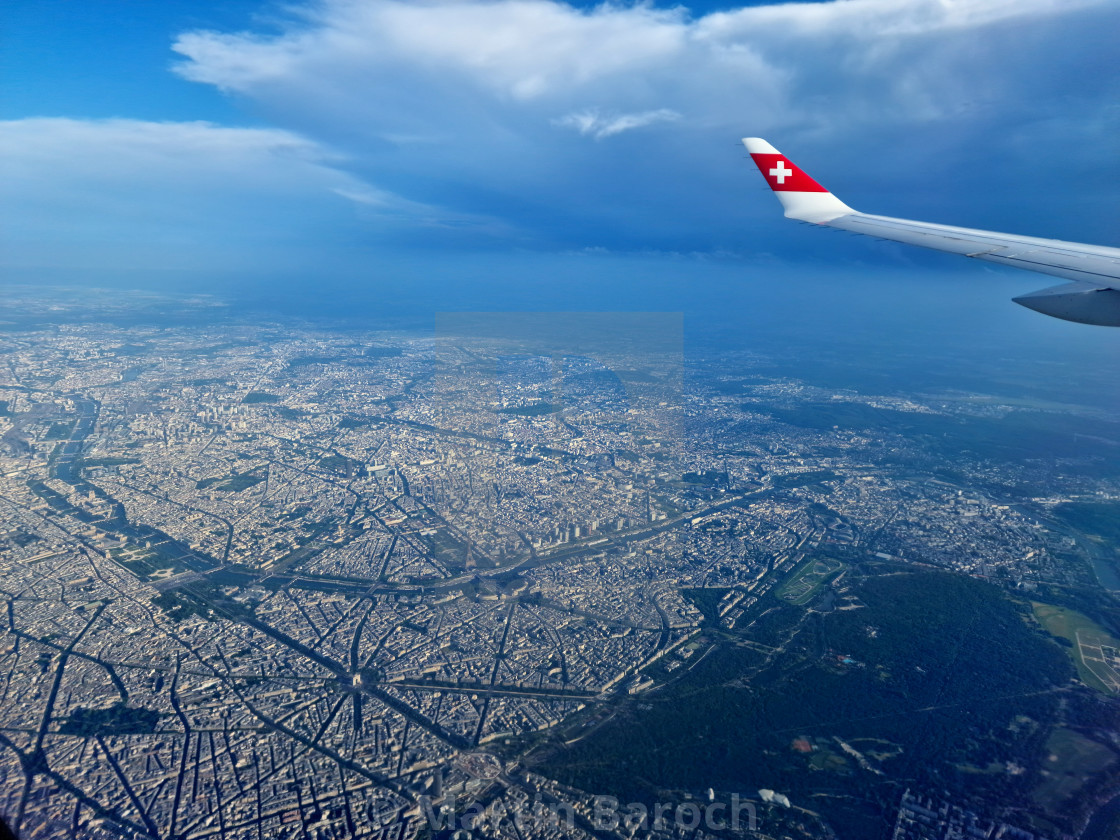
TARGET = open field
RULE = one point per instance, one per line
(808, 579)
(1072, 761)
(1094, 651)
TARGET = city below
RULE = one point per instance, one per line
(515, 579)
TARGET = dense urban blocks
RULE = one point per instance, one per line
(266, 580)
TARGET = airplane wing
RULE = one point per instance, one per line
(1093, 296)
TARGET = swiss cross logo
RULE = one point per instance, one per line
(780, 172)
(782, 175)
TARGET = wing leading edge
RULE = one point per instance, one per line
(1093, 296)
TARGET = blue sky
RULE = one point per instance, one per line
(342, 139)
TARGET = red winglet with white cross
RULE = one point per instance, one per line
(801, 197)
(783, 176)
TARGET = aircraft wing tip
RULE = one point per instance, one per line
(758, 146)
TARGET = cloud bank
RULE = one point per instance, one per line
(541, 126)
(472, 103)
(132, 193)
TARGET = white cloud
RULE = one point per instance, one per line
(456, 102)
(160, 192)
(126, 151)
(508, 53)
(472, 117)
(520, 49)
(591, 122)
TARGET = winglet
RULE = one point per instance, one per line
(801, 197)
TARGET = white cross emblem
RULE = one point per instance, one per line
(780, 173)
